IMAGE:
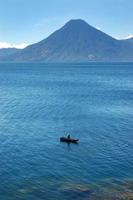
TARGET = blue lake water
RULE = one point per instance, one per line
(41, 102)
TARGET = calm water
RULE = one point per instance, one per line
(38, 104)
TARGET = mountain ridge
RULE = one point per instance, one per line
(130, 40)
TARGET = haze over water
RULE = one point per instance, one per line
(39, 103)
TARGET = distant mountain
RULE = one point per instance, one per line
(130, 40)
(76, 41)
(4, 52)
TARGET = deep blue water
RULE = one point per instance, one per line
(41, 102)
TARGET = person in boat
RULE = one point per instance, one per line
(69, 137)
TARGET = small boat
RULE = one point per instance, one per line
(68, 140)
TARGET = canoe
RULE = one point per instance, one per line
(71, 140)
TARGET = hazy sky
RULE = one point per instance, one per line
(29, 21)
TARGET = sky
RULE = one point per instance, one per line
(23, 22)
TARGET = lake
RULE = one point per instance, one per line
(39, 103)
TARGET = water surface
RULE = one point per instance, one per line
(41, 102)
